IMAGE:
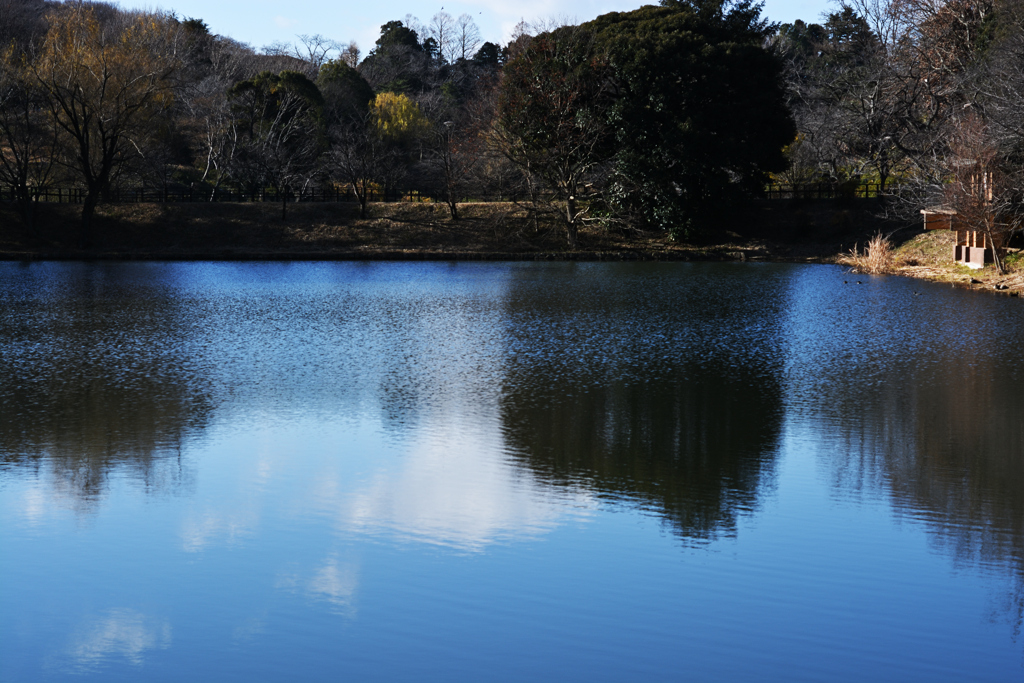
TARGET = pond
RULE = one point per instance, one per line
(507, 472)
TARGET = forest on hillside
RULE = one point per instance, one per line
(657, 118)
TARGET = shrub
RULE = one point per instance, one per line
(877, 258)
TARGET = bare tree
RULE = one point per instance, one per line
(466, 38)
(274, 132)
(105, 86)
(875, 93)
(998, 83)
(889, 20)
(316, 49)
(205, 111)
(358, 157)
(278, 48)
(457, 152)
(442, 29)
(549, 117)
(350, 54)
(28, 136)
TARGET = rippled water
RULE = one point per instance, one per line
(507, 472)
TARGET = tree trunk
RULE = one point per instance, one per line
(570, 220)
(990, 235)
(532, 189)
(449, 186)
(453, 206)
(88, 209)
(361, 196)
(26, 206)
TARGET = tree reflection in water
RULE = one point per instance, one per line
(948, 447)
(93, 383)
(470, 405)
(925, 409)
(698, 449)
(673, 402)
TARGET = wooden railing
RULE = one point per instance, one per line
(166, 195)
(824, 191)
(336, 194)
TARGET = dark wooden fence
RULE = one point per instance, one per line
(333, 194)
(824, 191)
(159, 195)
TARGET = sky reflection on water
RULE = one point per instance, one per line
(511, 471)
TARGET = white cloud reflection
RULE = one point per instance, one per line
(450, 481)
(122, 634)
(34, 506)
(199, 531)
(216, 523)
(336, 583)
(457, 487)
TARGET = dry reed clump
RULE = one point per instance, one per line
(878, 257)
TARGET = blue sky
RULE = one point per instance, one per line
(261, 22)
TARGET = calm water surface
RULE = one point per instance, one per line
(507, 472)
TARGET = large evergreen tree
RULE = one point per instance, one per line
(681, 106)
(700, 113)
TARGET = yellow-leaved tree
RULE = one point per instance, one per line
(397, 118)
(105, 85)
(400, 126)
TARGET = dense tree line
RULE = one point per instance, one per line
(98, 98)
(922, 97)
(656, 118)
(650, 118)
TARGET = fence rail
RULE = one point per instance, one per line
(201, 195)
(824, 191)
(329, 194)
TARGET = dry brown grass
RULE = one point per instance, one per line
(878, 257)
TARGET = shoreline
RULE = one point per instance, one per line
(774, 231)
(952, 276)
(680, 255)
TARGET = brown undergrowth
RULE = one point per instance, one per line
(330, 229)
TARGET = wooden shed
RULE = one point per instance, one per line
(972, 248)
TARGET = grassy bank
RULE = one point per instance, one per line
(929, 256)
(808, 231)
